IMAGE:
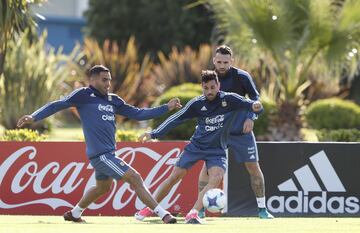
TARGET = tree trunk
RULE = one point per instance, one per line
(287, 124)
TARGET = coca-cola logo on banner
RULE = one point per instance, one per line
(49, 178)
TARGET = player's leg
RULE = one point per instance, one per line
(186, 160)
(257, 182)
(176, 175)
(216, 164)
(216, 175)
(164, 188)
(101, 187)
(244, 149)
(134, 179)
(202, 182)
(91, 195)
(256, 179)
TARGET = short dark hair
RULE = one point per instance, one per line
(224, 49)
(97, 69)
(208, 75)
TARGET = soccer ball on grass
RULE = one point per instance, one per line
(214, 200)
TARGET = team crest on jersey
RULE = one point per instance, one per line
(224, 103)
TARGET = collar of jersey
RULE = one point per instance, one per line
(227, 74)
(96, 92)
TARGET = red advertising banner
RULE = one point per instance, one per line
(49, 178)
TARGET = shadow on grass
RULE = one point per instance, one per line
(159, 221)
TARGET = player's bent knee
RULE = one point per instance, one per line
(133, 177)
(215, 180)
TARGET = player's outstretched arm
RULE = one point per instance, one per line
(26, 119)
(145, 137)
(174, 103)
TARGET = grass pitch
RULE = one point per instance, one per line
(55, 224)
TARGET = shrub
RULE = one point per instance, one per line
(339, 135)
(131, 75)
(333, 114)
(23, 135)
(261, 125)
(33, 76)
(127, 135)
(182, 66)
(184, 92)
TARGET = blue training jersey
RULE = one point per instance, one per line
(97, 114)
(213, 119)
(240, 82)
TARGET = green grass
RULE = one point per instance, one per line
(55, 224)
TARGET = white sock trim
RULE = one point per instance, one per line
(160, 211)
(77, 211)
(261, 202)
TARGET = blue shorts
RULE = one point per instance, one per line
(107, 165)
(243, 147)
(213, 157)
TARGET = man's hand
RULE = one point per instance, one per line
(145, 137)
(174, 103)
(248, 126)
(257, 106)
(25, 120)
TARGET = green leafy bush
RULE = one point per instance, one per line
(127, 135)
(23, 135)
(33, 76)
(131, 74)
(339, 135)
(333, 113)
(182, 66)
(261, 125)
(184, 92)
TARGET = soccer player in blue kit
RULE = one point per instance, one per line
(208, 143)
(241, 143)
(97, 108)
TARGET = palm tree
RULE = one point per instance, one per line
(299, 36)
(15, 17)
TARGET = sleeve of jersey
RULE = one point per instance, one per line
(173, 121)
(239, 102)
(253, 94)
(55, 106)
(140, 114)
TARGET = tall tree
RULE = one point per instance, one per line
(156, 25)
(15, 17)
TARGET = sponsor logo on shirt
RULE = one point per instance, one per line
(214, 123)
(106, 108)
(109, 109)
